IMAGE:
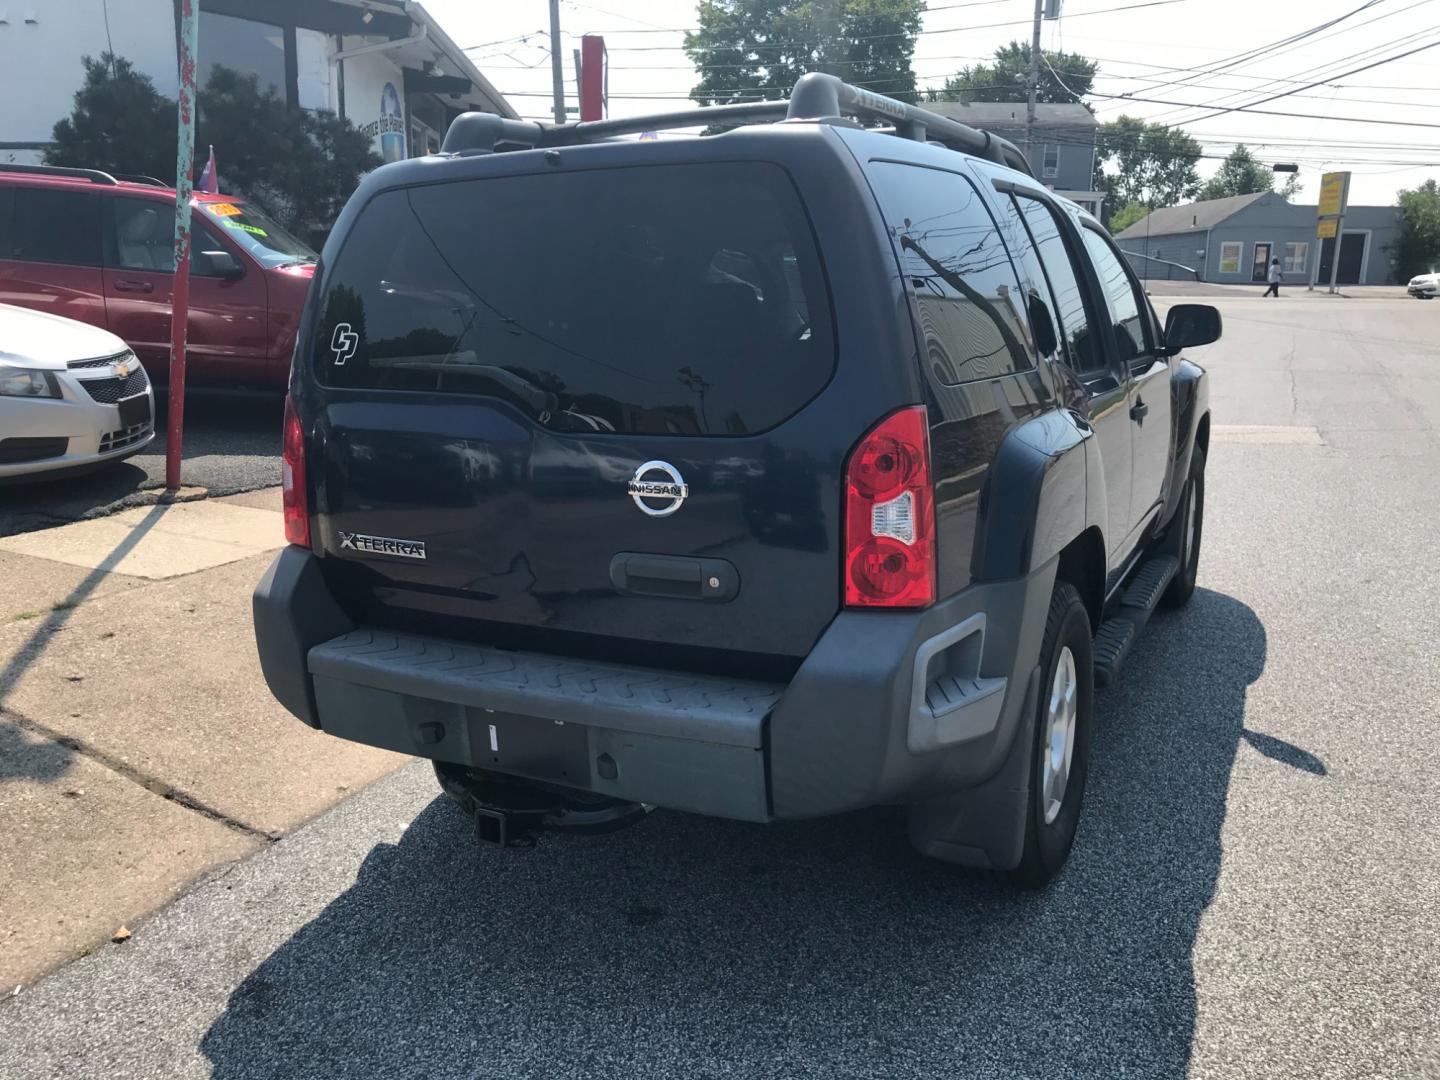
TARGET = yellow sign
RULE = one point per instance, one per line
(224, 209)
(1332, 194)
(1325, 228)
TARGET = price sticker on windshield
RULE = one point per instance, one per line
(225, 209)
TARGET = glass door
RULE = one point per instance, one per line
(1261, 265)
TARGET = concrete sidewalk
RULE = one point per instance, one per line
(139, 746)
(1160, 287)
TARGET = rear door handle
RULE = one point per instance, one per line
(1138, 411)
(674, 576)
(134, 286)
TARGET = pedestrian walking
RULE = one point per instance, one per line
(1274, 277)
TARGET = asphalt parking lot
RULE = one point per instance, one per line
(231, 444)
(1253, 892)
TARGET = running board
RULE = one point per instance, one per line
(1139, 600)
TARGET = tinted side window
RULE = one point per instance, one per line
(966, 298)
(1039, 300)
(1120, 293)
(7, 198)
(1086, 354)
(54, 226)
(145, 236)
(681, 299)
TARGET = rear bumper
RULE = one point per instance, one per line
(889, 707)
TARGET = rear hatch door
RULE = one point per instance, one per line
(579, 408)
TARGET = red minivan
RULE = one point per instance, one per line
(99, 248)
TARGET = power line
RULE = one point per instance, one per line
(756, 46)
(1250, 106)
(1250, 54)
(653, 28)
(1208, 75)
(1269, 112)
(1308, 77)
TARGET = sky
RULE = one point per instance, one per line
(1382, 124)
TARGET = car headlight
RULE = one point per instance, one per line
(23, 382)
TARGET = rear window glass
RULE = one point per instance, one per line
(681, 299)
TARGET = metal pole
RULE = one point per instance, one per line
(180, 289)
(557, 73)
(1034, 80)
(1339, 234)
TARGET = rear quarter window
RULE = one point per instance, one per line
(51, 225)
(678, 299)
(967, 302)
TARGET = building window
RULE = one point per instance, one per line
(1230, 257)
(246, 46)
(1051, 159)
(1295, 258)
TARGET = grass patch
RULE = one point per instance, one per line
(27, 615)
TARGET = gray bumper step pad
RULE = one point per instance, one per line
(640, 700)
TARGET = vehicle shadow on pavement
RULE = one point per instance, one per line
(691, 947)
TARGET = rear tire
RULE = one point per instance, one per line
(1060, 741)
(1182, 538)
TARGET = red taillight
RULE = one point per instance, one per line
(292, 473)
(890, 515)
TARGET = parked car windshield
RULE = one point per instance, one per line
(258, 233)
(683, 300)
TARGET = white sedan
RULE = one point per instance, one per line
(72, 396)
(1424, 286)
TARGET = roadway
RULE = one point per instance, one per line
(1253, 892)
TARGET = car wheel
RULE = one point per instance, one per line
(1182, 539)
(1061, 741)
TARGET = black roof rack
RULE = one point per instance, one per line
(95, 176)
(816, 96)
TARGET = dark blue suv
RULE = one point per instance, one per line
(768, 474)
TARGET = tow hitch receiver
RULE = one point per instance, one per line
(508, 811)
(492, 826)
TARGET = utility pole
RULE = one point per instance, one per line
(557, 70)
(1034, 82)
(180, 280)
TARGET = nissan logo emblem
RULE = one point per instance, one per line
(658, 488)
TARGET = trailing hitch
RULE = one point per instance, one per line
(510, 812)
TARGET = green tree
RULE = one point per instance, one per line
(753, 50)
(300, 166)
(1240, 174)
(1127, 215)
(1150, 164)
(1418, 249)
(1062, 77)
(120, 123)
